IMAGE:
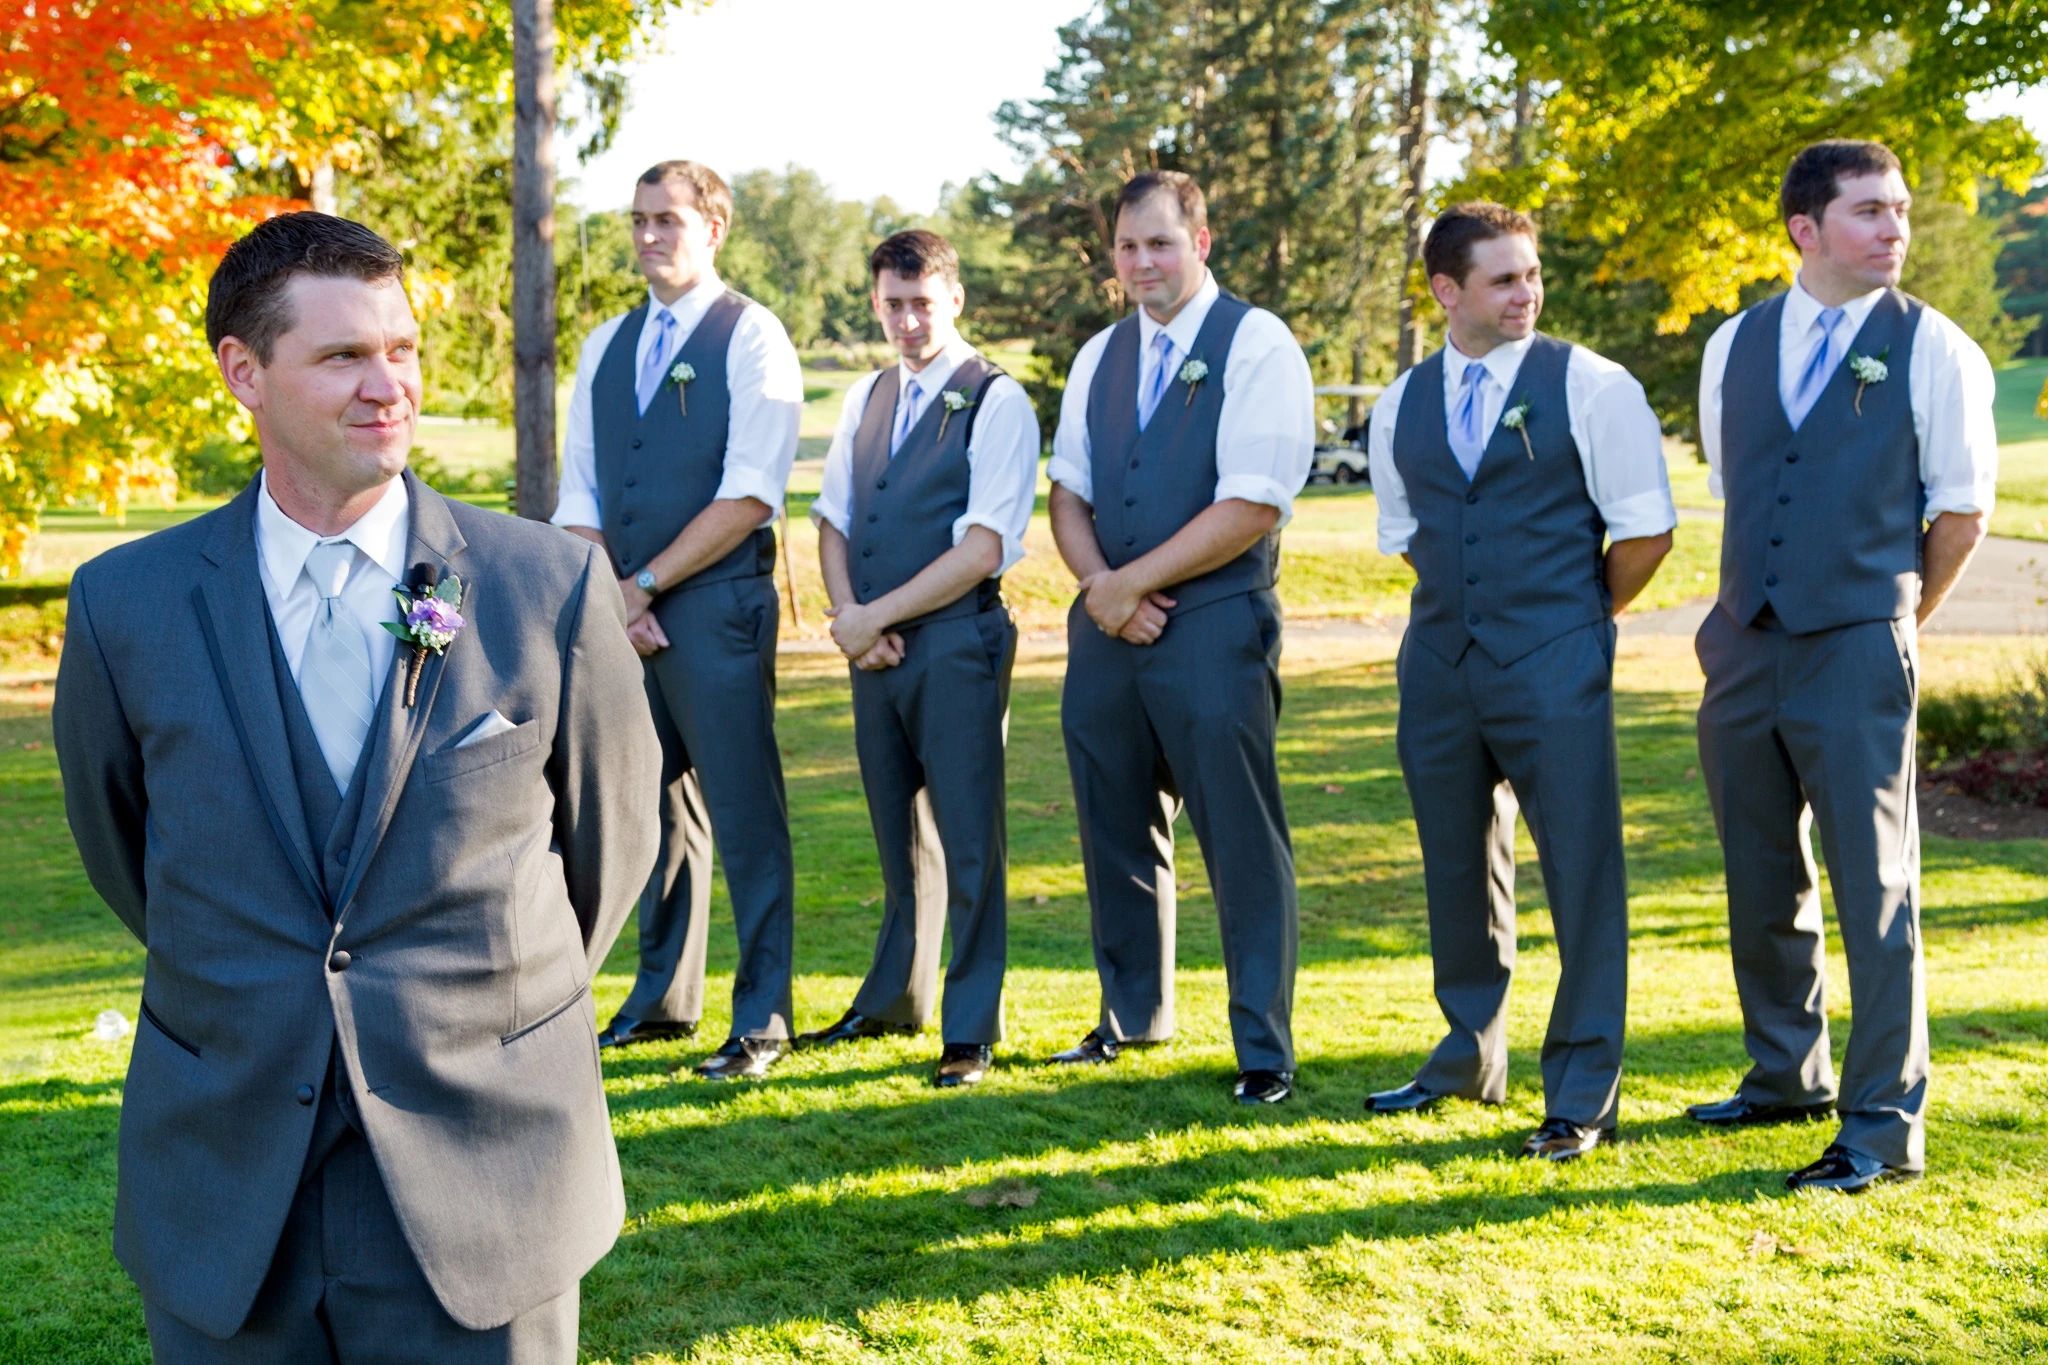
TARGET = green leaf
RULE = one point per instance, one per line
(397, 628)
(449, 590)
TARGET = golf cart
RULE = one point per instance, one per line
(1340, 449)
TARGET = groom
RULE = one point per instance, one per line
(363, 1117)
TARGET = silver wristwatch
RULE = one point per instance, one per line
(644, 580)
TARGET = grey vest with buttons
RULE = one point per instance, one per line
(1823, 524)
(656, 471)
(1513, 557)
(331, 816)
(904, 508)
(1148, 484)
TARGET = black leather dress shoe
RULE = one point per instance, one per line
(1847, 1171)
(1263, 1087)
(743, 1059)
(1737, 1112)
(1411, 1098)
(1563, 1140)
(1093, 1050)
(624, 1030)
(963, 1064)
(852, 1026)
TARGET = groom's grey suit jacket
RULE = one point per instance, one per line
(441, 942)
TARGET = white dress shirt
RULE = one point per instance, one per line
(380, 535)
(1002, 456)
(767, 386)
(1621, 447)
(1949, 384)
(1266, 433)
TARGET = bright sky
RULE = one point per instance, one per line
(877, 101)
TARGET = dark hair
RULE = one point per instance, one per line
(710, 195)
(1448, 248)
(914, 255)
(1815, 176)
(245, 298)
(1194, 209)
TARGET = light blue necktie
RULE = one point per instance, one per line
(1162, 370)
(334, 672)
(1819, 366)
(1468, 433)
(906, 416)
(654, 368)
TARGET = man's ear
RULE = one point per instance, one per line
(1202, 241)
(242, 372)
(1444, 290)
(1804, 231)
(716, 228)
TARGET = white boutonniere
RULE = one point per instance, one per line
(1192, 374)
(956, 400)
(683, 372)
(1868, 369)
(1516, 419)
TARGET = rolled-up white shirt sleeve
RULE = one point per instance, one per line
(1389, 490)
(1621, 447)
(1713, 369)
(1953, 393)
(1071, 467)
(576, 498)
(767, 387)
(834, 504)
(1002, 469)
(1266, 432)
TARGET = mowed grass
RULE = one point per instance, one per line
(843, 1210)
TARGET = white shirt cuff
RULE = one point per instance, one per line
(1396, 533)
(1645, 514)
(1260, 489)
(1072, 478)
(576, 508)
(1967, 499)
(1013, 550)
(739, 482)
(825, 514)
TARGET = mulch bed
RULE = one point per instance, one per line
(1948, 811)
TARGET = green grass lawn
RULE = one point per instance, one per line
(845, 1211)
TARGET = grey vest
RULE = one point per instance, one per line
(657, 471)
(330, 815)
(1511, 558)
(904, 508)
(1149, 484)
(1823, 524)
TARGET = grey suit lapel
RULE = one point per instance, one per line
(394, 740)
(234, 616)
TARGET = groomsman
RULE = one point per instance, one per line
(1523, 478)
(682, 430)
(1185, 432)
(929, 484)
(1849, 428)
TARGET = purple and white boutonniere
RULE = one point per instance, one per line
(429, 619)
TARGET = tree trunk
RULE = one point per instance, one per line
(1525, 108)
(533, 255)
(1414, 161)
(320, 186)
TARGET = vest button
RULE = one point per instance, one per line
(339, 962)
(1784, 498)
(1770, 580)
(1471, 539)
(1130, 540)
(625, 518)
(1777, 540)
(1793, 458)
(867, 552)
(632, 483)
(1471, 499)
(1130, 502)
(867, 587)
(304, 1094)
(636, 443)
(1471, 578)
(881, 483)
(1134, 464)
(873, 518)
(1472, 619)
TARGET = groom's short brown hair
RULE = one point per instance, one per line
(246, 296)
(1815, 176)
(1448, 248)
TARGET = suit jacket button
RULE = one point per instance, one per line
(1770, 580)
(339, 962)
(1473, 619)
(1471, 499)
(881, 483)
(304, 1094)
(636, 443)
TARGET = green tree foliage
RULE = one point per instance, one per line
(2023, 258)
(799, 252)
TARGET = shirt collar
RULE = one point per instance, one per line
(934, 375)
(689, 310)
(1502, 362)
(1802, 309)
(1186, 324)
(380, 533)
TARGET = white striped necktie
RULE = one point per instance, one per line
(334, 673)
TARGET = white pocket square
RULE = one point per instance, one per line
(491, 724)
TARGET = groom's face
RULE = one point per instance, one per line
(336, 406)
(1500, 297)
(1859, 241)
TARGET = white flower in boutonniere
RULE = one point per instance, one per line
(683, 372)
(956, 400)
(1192, 374)
(1516, 418)
(1868, 369)
(429, 618)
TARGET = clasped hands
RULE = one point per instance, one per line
(643, 632)
(1118, 608)
(864, 638)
